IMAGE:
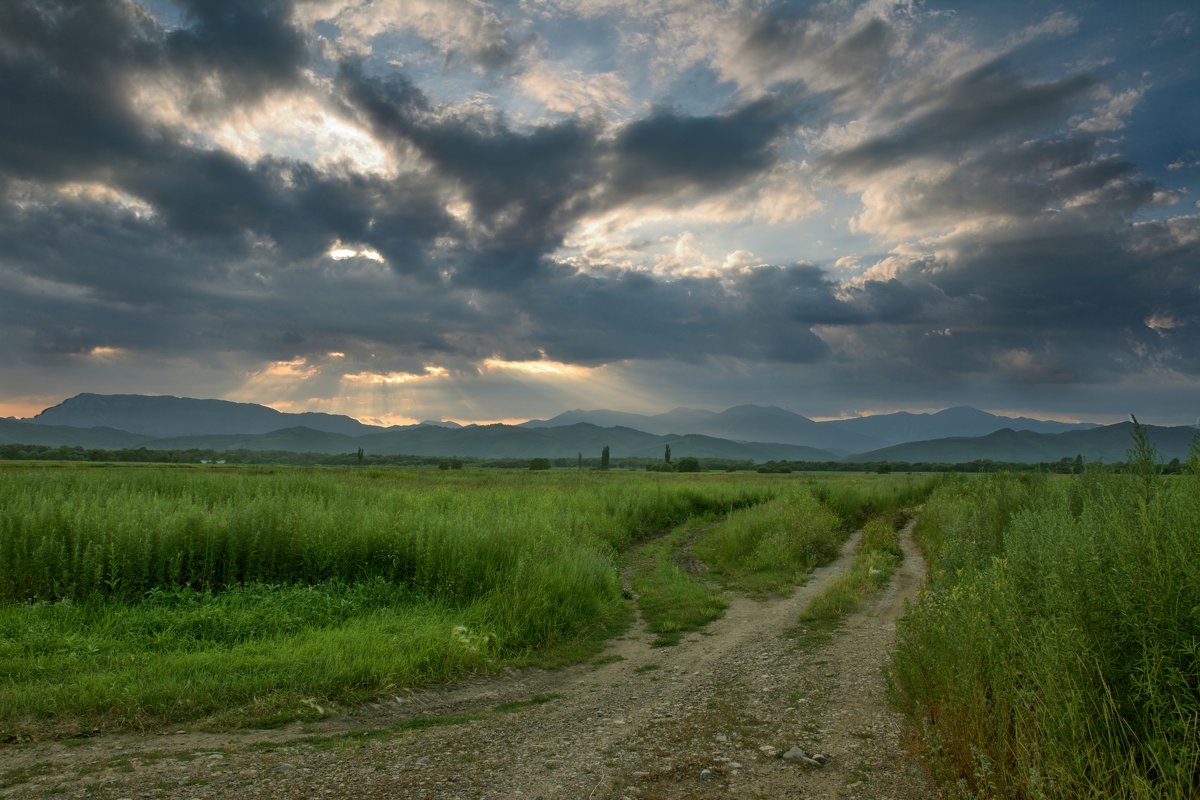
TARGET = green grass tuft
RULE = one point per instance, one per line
(877, 558)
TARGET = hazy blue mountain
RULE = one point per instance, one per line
(1107, 443)
(677, 420)
(771, 424)
(164, 415)
(17, 432)
(902, 426)
(682, 419)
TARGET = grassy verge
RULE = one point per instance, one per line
(672, 600)
(877, 558)
(256, 655)
(1056, 652)
(771, 547)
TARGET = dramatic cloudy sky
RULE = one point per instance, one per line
(405, 209)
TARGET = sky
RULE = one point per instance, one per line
(490, 211)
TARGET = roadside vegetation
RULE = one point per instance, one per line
(877, 558)
(132, 597)
(673, 600)
(769, 548)
(1056, 650)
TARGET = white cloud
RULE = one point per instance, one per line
(453, 26)
(569, 91)
(1114, 112)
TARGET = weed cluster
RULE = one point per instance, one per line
(1056, 652)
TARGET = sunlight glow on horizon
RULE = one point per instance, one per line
(543, 366)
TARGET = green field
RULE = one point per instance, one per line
(139, 596)
(1056, 653)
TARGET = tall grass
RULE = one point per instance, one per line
(858, 498)
(79, 534)
(133, 596)
(1056, 652)
(773, 546)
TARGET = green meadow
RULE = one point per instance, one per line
(133, 597)
(1054, 653)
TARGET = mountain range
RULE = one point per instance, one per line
(769, 423)
(758, 433)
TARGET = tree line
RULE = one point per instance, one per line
(27, 452)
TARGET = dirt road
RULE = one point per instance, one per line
(710, 717)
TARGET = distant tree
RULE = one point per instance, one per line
(1142, 461)
(360, 456)
(688, 464)
(604, 458)
(1079, 464)
(579, 461)
(539, 463)
(667, 454)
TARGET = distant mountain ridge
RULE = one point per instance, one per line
(770, 423)
(166, 415)
(1108, 443)
(758, 433)
(474, 441)
(904, 426)
(22, 432)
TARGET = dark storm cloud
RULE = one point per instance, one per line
(765, 314)
(65, 69)
(633, 315)
(188, 272)
(80, 274)
(527, 188)
(1022, 180)
(987, 103)
(1063, 298)
(301, 211)
(219, 254)
(251, 46)
(68, 119)
(64, 111)
(667, 152)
